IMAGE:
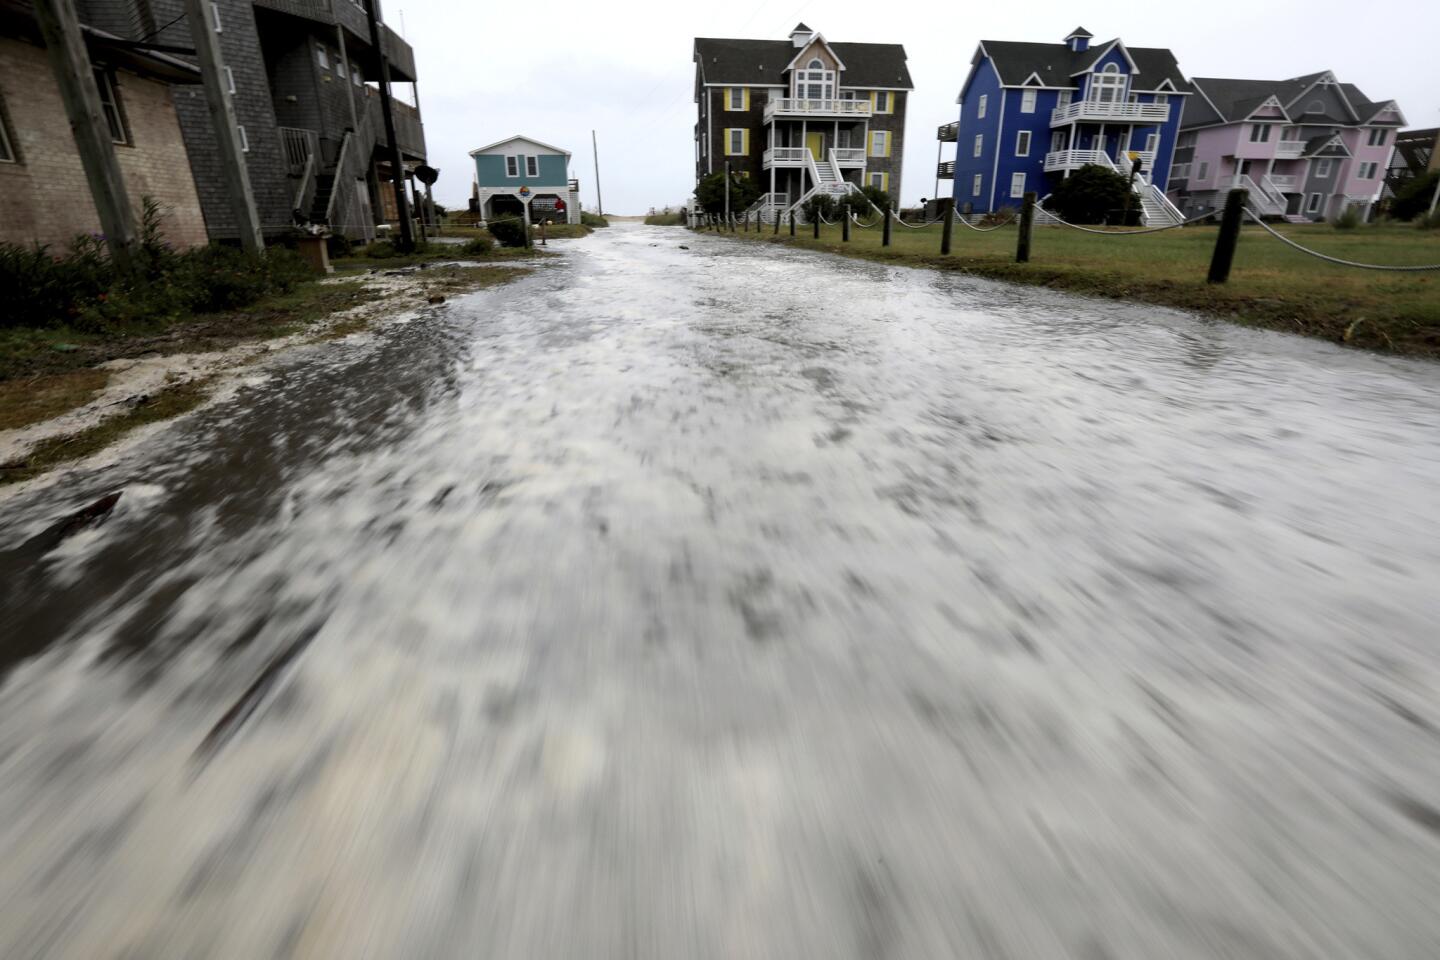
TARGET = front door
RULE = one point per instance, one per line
(816, 143)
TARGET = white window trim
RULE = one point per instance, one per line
(230, 80)
(355, 76)
(105, 84)
(1028, 99)
(1312, 205)
(879, 143)
(1323, 167)
(322, 56)
(1017, 186)
(1022, 136)
(1152, 143)
(980, 110)
(512, 159)
(5, 142)
(215, 14)
(340, 70)
(976, 184)
(532, 161)
(244, 138)
(731, 104)
(979, 149)
(1202, 172)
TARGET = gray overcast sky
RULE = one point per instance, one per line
(490, 70)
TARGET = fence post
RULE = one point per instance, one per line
(777, 222)
(885, 237)
(845, 226)
(747, 221)
(792, 223)
(1027, 220)
(816, 221)
(947, 230)
(1230, 222)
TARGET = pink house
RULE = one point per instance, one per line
(1306, 148)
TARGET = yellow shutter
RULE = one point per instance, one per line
(745, 142)
(885, 182)
(745, 93)
(872, 101)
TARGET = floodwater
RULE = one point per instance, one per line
(737, 602)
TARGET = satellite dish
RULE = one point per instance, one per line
(427, 175)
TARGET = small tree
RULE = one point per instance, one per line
(878, 197)
(820, 205)
(1413, 198)
(1089, 195)
(710, 193)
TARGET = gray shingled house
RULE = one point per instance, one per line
(801, 116)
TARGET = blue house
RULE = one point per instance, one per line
(524, 176)
(1033, 113)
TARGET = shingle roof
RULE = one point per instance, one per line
(1236, 99)
(1055, 63)
(1080, 32)
(762, 63)
(1315, 146)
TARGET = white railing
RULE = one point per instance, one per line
(848, 156)
(795, 106)
(1073, 159)
(1264, 201)
(1289, 149)
(1110, 110)
(945, 170)
(299, 146)
(785, 155)
(1283, 182)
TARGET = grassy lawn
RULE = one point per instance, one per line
(667, 220)
(1271, 285)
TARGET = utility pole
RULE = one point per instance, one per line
(599, 198)
(201, 15)
(60, 27)
(727, 190)
(387, 110)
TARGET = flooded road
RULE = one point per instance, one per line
(741, 602)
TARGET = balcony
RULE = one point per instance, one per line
(948, 132)
(1110, 112)
(785, 157)
(824, 109)
(1284, 183)
(848, 157)
(1289, 149)
(945, 170)
(1060, 160)
(408, 128)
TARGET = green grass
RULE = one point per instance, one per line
(1271, 285)
(170, 402)
(667, 220)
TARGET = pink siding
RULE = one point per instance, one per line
(1358, 142)
(1211, 144)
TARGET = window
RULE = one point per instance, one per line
(1180, 171)
(879, 143)
(322, 56)
(355, 76)
(1057, 141)
(1367, 170)
(1260, 133)
(110, 105)
(735, 141)
(1152, 142)
(815, 83)
(975, 185)
(1107, 86)
(340, 68)
(512, 166)
(880, 181)
(979, 144)
(1322, 168)
(532, 166)
(884, 101)
(1314, 106)
(7, 150)
(1017, 184)
(1027, 101)
(1022, 143)
(215, 13)
(1063, 100)
(737, 98)
(980, 111)
(1162, 98)
(1202, 172)
(842, 139)
(230, 80)
(815, 65)
(244, 138)
(1313, 205)
(1186, 140)
(1377, 137)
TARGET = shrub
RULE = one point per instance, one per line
(820, 205)
(1413, 198)
(710, 193)
(1089, 195)
(593, 219)
(477, 246)
(1348, 220)
(338, 245)
(380, 250)
(1003, 215)
(879, 198)
(508, 232)
(1429, 221)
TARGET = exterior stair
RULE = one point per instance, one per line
(1296, 218)
(324, 186)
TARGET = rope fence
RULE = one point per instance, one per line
(1337, 260)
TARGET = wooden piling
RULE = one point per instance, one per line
(1027, 221)
(1229, 237)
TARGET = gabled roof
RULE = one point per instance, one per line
(1055, 63)
(801, 28)
(814, 39)
(1326, 145)
(1231, 100)
(1079, 32)
(762, 63)
(501, 143)
(1087, 59)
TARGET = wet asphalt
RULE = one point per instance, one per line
(741, 602)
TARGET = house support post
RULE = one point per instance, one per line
(1027, 221)
(845, 225)
(947, 210)
(70, 62)
(387, 111)
(1229, 236)
(885, 237)
(792, 223)
(777, 222)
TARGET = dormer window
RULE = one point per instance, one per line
(815, 65)
(1314, 106)
(1107, 86)
(815, 84)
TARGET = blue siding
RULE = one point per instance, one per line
(490, 171)
(985, 83)
(1033, 166)
(1115, 57)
